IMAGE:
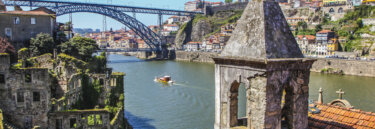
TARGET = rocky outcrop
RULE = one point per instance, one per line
(200, 29)
(202, 26)
(180, 39)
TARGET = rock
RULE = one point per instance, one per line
(200, 29)
(180, 39)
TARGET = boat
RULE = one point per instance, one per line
(165, 79)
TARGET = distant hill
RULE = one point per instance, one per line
(83, 31)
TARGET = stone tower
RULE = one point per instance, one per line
(263, 55)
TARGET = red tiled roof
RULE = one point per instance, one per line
(334, 117)
(324, 31)
(194, 42)
(174, 17)
(308, 37)
(26, 13)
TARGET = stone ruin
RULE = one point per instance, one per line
(263, 55)
(29, 97)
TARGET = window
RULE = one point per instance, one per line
(20, 96)
(16, 20)
(36, 96)
(59, 124)
(27, 77)
(101, 82)
(32, 34)
(33, 20)
(73, 123)
(8, 32)
(2, 79)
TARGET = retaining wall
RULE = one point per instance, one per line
(348, 67)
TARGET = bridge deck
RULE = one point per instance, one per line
(123, 8)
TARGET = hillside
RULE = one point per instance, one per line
(203, 26)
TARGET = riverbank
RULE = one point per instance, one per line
(346, 67)
(193, 96)
(205, 57)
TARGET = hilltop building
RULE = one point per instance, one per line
(20, 26)
(197, 5)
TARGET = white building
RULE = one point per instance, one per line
(173, 19)
(193, 46)
(171, 27)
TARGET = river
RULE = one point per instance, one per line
(189, 104)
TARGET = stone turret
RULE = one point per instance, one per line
(263, 55)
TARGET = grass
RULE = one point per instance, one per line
(1, 120)
(118, 74)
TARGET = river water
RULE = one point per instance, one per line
(189, 104)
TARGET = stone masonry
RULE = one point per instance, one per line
(31, 97)
(263, 55)
(24, 94)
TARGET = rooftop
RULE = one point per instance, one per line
(324, 31)
(39, 13)
(338, 117)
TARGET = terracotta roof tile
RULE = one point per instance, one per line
(334, 117)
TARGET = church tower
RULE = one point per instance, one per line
(263, 55)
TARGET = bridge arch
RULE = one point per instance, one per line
(151, 38)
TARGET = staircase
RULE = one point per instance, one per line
(8, 125)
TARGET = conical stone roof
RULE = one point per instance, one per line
(262, 33)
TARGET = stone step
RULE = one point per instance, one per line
(8, 125)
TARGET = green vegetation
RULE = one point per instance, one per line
(1, 120)
(90, 95)
(118, 74)
(41, 44)
(325, 70)
(80, 47)
(217, 21)
(98, 63)
(69, 60)
(91, 121)
(23, 53)
(228, 1)
(115, 99)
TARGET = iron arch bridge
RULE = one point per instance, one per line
(116, 12)
(150, 37)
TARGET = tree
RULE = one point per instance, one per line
(80, 47)
(228, 1)
(43, 43)
(318, 27)
(6, 47)
(302, 25)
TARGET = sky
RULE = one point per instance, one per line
(95, 21)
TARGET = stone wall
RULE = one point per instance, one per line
(93, 119)
(25, 96)
(348, 67)
(195, 56)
